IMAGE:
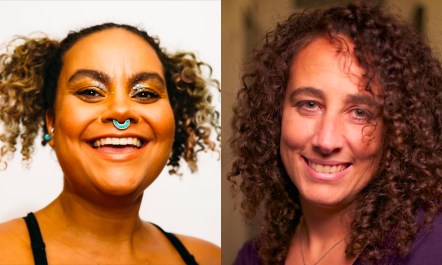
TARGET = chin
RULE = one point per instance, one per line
(122, 184)
(327, 201)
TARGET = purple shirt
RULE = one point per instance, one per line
(426, 250)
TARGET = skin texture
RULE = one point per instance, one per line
(96, 215)
(328, 119)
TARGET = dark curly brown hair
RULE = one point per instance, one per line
(28, 87)
(406, 193)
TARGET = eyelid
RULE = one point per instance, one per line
(302, 101)
(141, 87)
(94, 88)
(80, 86)
(366, 108)
(99, 85)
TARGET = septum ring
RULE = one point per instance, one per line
(121, 126)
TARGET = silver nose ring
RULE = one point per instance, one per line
(121, 126)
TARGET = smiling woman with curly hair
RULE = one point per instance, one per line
(337, 142)
(116, 108)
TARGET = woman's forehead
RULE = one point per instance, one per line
(113, 51)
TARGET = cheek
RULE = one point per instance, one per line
(295, 131)
(162, 120)
(367, 142)
(72, 118)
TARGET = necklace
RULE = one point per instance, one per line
(323, 255)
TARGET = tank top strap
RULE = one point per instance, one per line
(182, 250)
(37, 244)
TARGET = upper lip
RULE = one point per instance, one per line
(326, 162)
(144, 139)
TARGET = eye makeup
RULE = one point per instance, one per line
(138, 88)
(99, 85)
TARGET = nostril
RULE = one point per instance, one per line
(326, 150)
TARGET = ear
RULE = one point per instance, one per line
(49, 118)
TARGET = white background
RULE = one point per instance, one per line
(189, 205)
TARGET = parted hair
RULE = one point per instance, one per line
(405, 194)
(29, 71)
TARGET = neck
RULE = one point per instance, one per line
(323, 232)
(321, 236)
(73, 215)
(324, 224)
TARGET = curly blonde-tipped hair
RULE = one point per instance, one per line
(28, 87)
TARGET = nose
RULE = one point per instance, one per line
(328, 138)
(120, 108)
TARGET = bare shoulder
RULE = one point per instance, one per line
(203, 251)
(14, 243)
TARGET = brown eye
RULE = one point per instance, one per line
(90, 94)
(145, 95)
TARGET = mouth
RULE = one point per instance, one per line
(327, 168)
(117, 143)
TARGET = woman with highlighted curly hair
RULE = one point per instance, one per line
(337, 141)
(116, 109)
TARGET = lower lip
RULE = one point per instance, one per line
(117, 154)
(324, 177)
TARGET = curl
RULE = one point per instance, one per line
(406, 193)
(21, 85)
(195, 117)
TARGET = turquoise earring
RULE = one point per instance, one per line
(47, 137)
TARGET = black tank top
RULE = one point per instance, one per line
(39, 252)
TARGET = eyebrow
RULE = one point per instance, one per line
(310, 91)
(362, 99)
(97, 75)
(350, 99)
(146, 76)
(105, 78)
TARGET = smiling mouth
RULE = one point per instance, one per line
(327, 169)
(114, 142)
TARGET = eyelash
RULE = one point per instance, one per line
(140, 93)
(84, 92)
(367, 115)
(144, 94)
(308, 106)
(311, 107)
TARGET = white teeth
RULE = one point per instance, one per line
(117, 141)
(326, 168)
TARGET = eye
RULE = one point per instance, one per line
(144, 94)
(90, 94)
(308, 107)
(361, 114)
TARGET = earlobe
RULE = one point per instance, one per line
(49, 123)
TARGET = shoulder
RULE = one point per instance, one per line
(203, 251)
(248, 254)
(15, 247)
(427, 246)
